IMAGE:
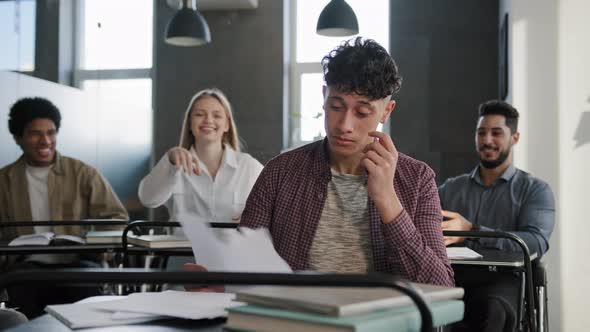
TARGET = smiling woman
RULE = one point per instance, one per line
(206, 175)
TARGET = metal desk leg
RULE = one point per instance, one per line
(147, 266)
(541, 310)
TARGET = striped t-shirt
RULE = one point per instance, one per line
(342, 240)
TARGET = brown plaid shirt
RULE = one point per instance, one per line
(289, 196)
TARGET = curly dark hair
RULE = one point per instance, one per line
(25, 110)
(500, 107)
(363, 67)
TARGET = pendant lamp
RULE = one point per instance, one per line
(188, 27)
(337, 19)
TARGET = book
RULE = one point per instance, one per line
(159, 241)
(46, 238)
(84, 314)
(340, 301)
(407, 318)
(462, 253)
(99, 237)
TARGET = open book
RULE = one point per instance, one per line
(47, 238)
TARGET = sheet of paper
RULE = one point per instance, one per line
(84, 314)
(462, 253)
(188, 305)
(243, 250)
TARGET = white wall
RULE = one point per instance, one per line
(550, 57)
(574, 91)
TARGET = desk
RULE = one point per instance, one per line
(526, 266)
(85, 276)
(69, 249)
(47, 323)
(495, 258)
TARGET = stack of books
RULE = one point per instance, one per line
(323, 309)
(104, 237)
(159, 241)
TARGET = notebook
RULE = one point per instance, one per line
(340, 301)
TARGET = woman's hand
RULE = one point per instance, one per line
(183, 159)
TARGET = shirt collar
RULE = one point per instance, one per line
(506, 176)
(230, 156)
(321, 164)
(57, 167)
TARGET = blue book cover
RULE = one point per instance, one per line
(407, 318)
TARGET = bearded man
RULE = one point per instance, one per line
(496, 196)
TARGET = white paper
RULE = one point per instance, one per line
(188, 305)
(84, 314)
(462, 253)
(246, 250)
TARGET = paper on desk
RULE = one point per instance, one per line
(84, 314)
(246, 250)
(188, 305)
(462, 253)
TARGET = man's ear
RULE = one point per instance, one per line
(388, 109)
(17, 139)
(515, 137)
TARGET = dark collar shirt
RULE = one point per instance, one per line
(289, 196)
(516, 202)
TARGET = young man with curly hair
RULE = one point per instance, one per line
(352, 202)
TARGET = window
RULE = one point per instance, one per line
(116, 34)
(306, 116)
(136, 101)
(17, 33)
(113, 56)
(114, 61)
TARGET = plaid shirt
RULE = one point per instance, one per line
(289, 196)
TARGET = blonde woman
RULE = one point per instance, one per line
(206, 175)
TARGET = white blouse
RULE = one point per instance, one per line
(217, 200)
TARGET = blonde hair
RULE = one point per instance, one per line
(230, 137)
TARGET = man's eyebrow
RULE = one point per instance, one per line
(489, 128)
(366, 103)
(336, 98)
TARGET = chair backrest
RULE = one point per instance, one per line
(10, 318)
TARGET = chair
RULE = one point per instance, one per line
(533, 314)
(10, 317)
(138, 227)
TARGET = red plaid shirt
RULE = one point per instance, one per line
(289, 196)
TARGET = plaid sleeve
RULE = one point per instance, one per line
(417, 241)
(260, 203)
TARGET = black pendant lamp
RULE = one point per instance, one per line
(337, 19)
(188, 27)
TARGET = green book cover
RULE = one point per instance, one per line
(251, 317)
